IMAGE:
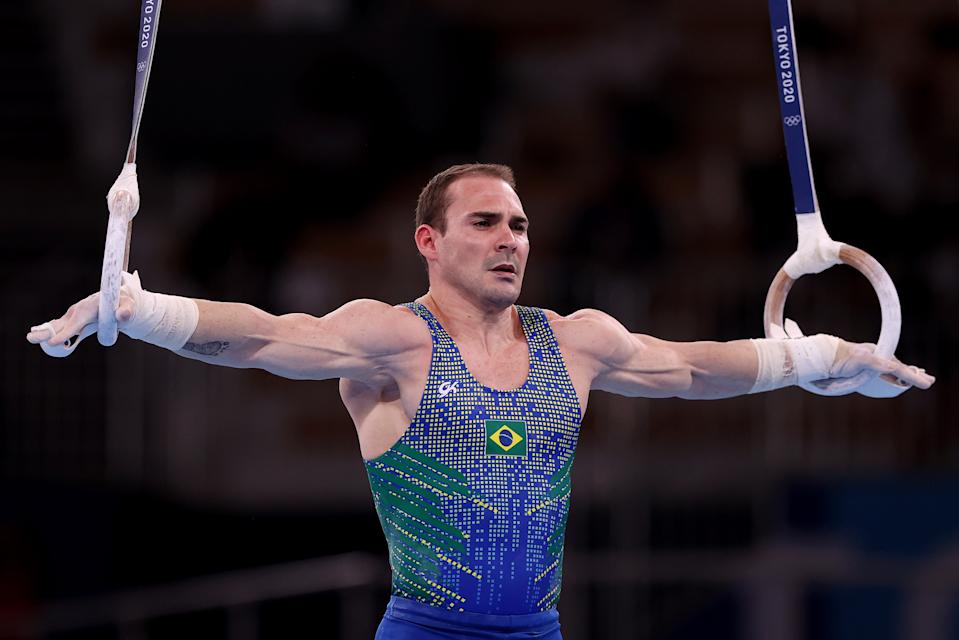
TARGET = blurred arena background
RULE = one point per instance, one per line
(283, 146)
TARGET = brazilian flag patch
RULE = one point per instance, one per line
(506, 438)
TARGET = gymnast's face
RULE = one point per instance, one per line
(484, 249)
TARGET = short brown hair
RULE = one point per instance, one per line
(433, 201)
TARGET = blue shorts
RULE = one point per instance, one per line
(410, 620)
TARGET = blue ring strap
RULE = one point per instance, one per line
(146, 43)
(791, 106)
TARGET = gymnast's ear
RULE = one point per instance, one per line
(425, 238)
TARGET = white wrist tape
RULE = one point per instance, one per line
(775, 367)
(787, 362)
(160, 319)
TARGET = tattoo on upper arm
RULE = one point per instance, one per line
(214, 348)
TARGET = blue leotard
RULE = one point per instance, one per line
(473, 499)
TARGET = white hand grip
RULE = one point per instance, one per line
(66, 348)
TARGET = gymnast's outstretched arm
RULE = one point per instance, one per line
(361, 340)
(638, 365)
(358, 340)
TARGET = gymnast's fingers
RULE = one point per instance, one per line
(909, 374)
(58, 331)
(125, 308)
(897, 372)
(851, 358)
(43, 332)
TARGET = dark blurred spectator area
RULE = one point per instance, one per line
(282, 149)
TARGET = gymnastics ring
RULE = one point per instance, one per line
(816, 250)
(889, 305)
(123, 202)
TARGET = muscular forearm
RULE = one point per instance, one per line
(719, 369)
(224, 333)
(726, 369)
(644, 366)
(228, 333)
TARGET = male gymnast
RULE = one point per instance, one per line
(467, 406)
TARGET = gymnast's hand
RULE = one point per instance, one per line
(56, 337)
(852, 358)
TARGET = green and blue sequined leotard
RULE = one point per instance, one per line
(473, 499)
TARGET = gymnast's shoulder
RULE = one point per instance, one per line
(589, 332)
(376, 323)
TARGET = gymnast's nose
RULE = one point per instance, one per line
(506, 239)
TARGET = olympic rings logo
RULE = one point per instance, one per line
(792, 121)
(141, 67)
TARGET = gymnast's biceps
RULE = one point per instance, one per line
(629, 364)
(354, 341)
(649, 368)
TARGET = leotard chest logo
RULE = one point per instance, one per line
(447, 388)
(506, 438)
